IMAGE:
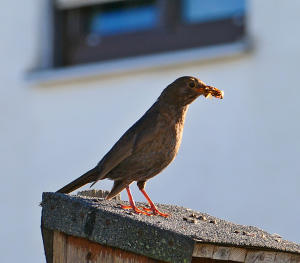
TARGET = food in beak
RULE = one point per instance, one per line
(213, 92)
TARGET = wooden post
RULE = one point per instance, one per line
(90, 229)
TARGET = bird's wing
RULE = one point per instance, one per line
(133, 139)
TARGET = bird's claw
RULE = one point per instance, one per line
(144, 210)
(154, 211)
(135, 209)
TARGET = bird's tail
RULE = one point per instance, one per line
(88, 177)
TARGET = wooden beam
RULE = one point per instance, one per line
(70, 249)
(260, 257)
(203, 251)
(221, 253)
(282, 258)
(246, 255)
(237, 254)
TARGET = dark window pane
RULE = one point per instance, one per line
(123, 18)
(118, 29)
(196, 11)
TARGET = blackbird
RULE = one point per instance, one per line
(150, 145)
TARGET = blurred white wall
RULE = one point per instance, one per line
(239, 158)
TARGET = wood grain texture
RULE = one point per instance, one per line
(214, 253)
(209, 260)
(238, 254)
(295, 258)
(203, 251)
(282, 258)
(59, 247)
(70, 249)
(221, 253)
(260, 257)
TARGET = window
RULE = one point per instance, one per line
(90, 31)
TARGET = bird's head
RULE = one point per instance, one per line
(185, 90)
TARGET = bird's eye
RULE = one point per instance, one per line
(192, 84)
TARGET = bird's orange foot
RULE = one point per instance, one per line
(155, 211)
(135, 209)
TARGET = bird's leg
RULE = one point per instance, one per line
(152, 208)
(132, 204)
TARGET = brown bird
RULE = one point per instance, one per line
(150, 145)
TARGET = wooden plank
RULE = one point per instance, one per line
(295, 258)
(282, 258)
(221, 253)
(260, 257)
(82, 250)
(70, 249)
(203, 251)
(59, 247)
(237, 254)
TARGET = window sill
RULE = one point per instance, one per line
(135, 64)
